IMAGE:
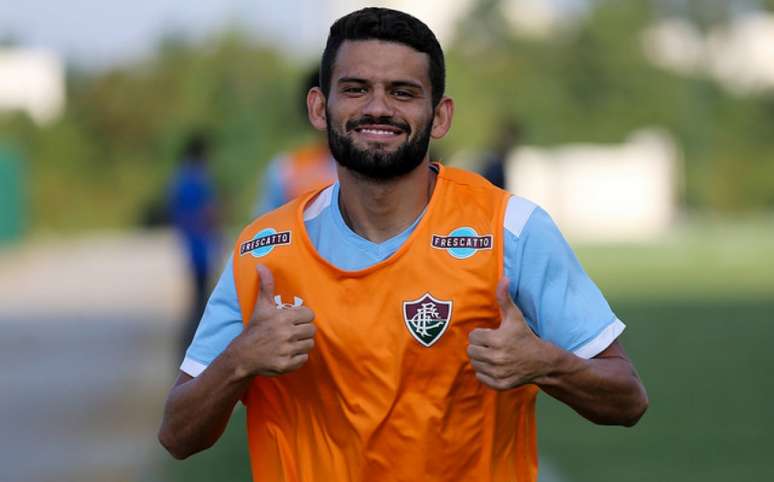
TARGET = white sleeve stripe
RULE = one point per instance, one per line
(192, 367)
(318, 205)
(517, 213)
(601, 341)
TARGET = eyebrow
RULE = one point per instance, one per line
(406, 83)
(396, 83)
(351, 80)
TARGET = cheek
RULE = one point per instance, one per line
(334, 121)
(341, 109)
(423, 121)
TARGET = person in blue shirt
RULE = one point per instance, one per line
(194, 213)
(495, 163)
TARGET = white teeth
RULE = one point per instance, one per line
(379, 132)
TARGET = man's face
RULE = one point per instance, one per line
(379, 110)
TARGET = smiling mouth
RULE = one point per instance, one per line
(379, 132)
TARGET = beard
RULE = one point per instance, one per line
(376, 163)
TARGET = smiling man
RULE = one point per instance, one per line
(398, 324)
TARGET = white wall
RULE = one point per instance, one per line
(616, 192)
(32, 80)
(739, 55)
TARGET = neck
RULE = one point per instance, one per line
(380, 210)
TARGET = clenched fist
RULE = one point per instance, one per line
(276, 341)
(511, 355)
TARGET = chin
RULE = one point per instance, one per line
(377, 148)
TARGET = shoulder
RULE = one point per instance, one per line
(518, 212)
(470, 191)
(462, 177)
(278, 219)
(320, 203)
(527, 226)
(531, 235)
(286, 217)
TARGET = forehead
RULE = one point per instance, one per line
(380, 61)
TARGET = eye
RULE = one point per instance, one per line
(402, 94)
(354, 90)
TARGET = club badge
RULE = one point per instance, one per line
(427, 318)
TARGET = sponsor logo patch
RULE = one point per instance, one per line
(281, 305)
(264, 242)
(463, 242)
(427, 318)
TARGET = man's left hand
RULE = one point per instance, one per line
(511, 355)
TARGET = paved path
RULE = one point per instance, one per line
(87, 330)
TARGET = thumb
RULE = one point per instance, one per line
(265, 295)
(509, 312)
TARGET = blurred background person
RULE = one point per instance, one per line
(303, 169)
(194, 212)
(509, 135)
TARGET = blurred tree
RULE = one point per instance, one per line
(108, 157)
(588, 80)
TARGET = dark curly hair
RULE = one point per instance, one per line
(388, 25)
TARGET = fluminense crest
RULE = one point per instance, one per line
(427, 318)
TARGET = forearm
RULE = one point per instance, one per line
(198, 409)
(605, 389)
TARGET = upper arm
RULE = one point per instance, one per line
(559, 300)
(613, 350)
(220, 324)
(182, 377)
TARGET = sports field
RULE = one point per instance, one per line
(700, 313)
(699, 306)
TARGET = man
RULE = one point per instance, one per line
(293, 173)
(399, 351)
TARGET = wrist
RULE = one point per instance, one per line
(556, 363)
(238, 371)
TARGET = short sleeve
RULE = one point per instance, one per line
(220, 324)
(559, 300)
(273, 193)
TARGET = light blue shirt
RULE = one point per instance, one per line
(559, 301)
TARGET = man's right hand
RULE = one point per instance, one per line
(276, 341)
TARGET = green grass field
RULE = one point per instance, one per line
(699, 307)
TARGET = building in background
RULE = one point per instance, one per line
(738, 55)
(599, 192)
(32, 81)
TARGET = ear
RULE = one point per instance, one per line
(315, 105)
(442, 118)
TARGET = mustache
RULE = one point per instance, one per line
(371, 120)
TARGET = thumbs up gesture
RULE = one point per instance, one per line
(276, 341)
(511, 355)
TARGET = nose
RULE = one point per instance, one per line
(378, 104)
